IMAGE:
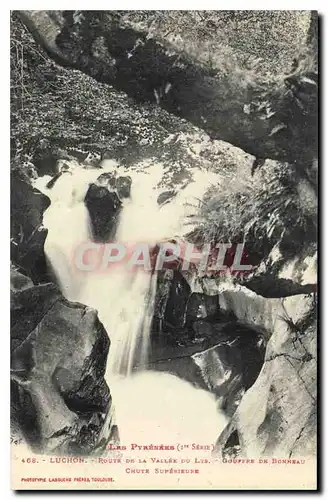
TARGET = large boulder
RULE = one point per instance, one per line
(27, 232)
(104, 202)
(104, 207)
(108, 180)
(60, 400)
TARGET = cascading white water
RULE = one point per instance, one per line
(125, 300)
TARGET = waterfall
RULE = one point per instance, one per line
(125, 300)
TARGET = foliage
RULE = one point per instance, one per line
(261, 211)
(54, 108)
(266, 41)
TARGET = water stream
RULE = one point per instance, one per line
(157, 406)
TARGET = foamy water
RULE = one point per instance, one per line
(155, 408)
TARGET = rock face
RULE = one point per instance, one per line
(27, 233)
(60, 399)
(202, 306)
(175, 312)
(18, 281)
(277, 415)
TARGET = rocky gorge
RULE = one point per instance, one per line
(248, 340)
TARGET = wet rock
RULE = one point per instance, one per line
(46, 162)
(53, 181)
(231, 366)
(176, 306)
(279, 276)
(123, 186)
(93, 159)
(232, 446)
(165, 197)
(202, 306)
(277, 415)
(18, 281)
(27, 233)
(164, 281)
(104, 207)
(171, 300)
(29, 305)
(107, 179)
(27, 207)
(202, 330)
(271, 287)
(260, 313)
(60, 399)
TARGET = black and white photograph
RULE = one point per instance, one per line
(163, 249)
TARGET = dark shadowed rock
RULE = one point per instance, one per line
(171, 301)
(104, 201)
(28, 306)
(123, 186)
(104, 207)
(108, 180)
(27, 207)
(18, 281)
(164, 281)
(201, 305)
(53, 181)
(231, 366)
(165, 197)
(27, 233)
(60, 399)
(120, 185)
(283, 276)
(45, 162)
